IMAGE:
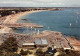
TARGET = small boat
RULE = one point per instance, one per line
(70, 24)
(24, 19)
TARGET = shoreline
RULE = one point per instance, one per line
(15, 17)
(12, 19)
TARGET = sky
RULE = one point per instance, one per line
(39, 3)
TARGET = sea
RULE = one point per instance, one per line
(66, 20)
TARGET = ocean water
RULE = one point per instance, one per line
(66, 21)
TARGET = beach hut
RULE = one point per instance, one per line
(28, 45)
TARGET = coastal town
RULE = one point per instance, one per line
(45, 39)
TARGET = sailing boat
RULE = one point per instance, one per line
(70, 24)
(38, 32)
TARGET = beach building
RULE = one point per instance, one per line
(28, 45)
(38, 43)
(41, 43)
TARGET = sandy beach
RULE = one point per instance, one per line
(14, 18)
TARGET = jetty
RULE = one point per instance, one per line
(19, 25)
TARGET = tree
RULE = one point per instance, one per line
(47, 55)
(15, 54)
(22, 52)
(9, 45)
(39, 52)
(68, 52)
(1, 53)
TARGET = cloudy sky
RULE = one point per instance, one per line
(39, 3)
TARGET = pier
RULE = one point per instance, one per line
(19, 25)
